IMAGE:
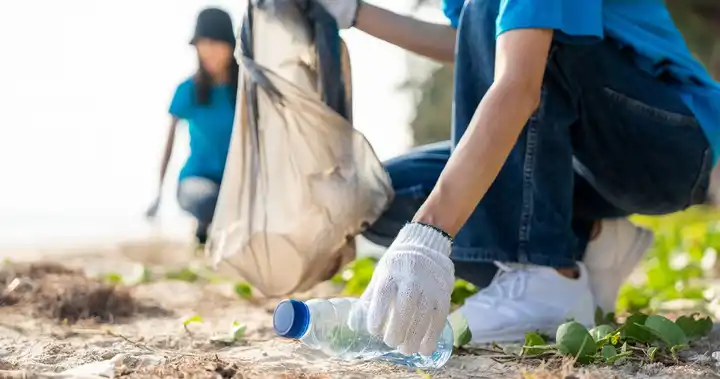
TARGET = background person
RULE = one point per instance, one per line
(207, 102)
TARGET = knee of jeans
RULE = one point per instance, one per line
(401, 211)
(198, 197)
(384, 230)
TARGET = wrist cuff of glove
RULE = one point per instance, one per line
(430, 236)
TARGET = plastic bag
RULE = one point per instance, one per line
(299, 181)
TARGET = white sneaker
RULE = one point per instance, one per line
(612, 257)
(524, 299)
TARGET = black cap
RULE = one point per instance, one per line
(215, 24)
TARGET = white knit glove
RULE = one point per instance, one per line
(408, 298)
(344, 11)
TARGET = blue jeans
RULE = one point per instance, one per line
(608, 140)
(198, 196)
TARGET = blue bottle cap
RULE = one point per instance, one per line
(291, 319)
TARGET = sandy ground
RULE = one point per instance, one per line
(45, 332)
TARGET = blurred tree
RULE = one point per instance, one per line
(699, 20)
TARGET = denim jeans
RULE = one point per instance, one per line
(608, 140)
(198, 196)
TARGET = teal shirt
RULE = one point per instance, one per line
(644, 25)
(209, 127)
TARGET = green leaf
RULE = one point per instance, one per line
(461, 330)
(461, 291)
(610, 354)
(694, 326)
(237, 331)
(185, 275)
(601, 331)
(604, 318)
(633, 329)
(243, 290)
(532, 340)
(113, 278)
(192, 320)
(651, 353)
(675, 349)
(618, 357)
(666, 330)
(573, 339)
(599, 316)
(608, 351)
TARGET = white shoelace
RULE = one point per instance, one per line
(509, 283)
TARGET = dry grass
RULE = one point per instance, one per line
(67, 295)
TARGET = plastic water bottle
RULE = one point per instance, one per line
(325, 325)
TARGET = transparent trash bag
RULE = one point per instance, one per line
(299, 182)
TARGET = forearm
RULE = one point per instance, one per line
(479, 156)
(167, 153)
(435, 41)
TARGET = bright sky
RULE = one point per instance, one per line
(85, 86)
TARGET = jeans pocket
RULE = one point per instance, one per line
(646, 159)
(646, 111)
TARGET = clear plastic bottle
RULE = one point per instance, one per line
(324, 325)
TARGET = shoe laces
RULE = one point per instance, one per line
(509, 283)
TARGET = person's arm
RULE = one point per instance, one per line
(181, 108)
(435, 41)
(521, 59)
(152, 210)
(167, 154)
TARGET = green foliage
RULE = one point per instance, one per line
(433, 100)
(194, 319)
(695, 327)
(234, 335)
(244, 290)
(460, 329)
(186, 275)
(462, 291)
(683, 255)
(356, 276)
(641, 337)
(573, 339)
(141, 275)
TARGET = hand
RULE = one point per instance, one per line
(408, 298)
(343, 11)
(152, 210)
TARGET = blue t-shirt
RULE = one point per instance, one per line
(209, 127)
(645, 25)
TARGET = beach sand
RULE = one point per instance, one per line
(59, 323)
